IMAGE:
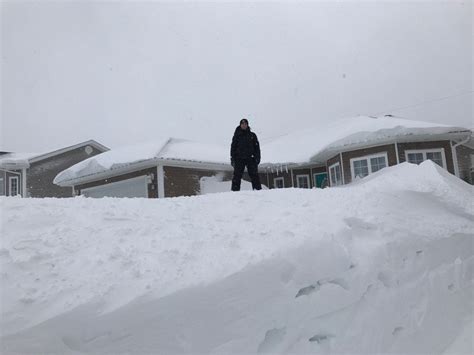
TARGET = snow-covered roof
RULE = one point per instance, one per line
(181, 149)
(144, 154)
(23, 160)
(55, 152)
(316, 144)
(310, 145)
(16, 160)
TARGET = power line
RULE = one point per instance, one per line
(423, 103)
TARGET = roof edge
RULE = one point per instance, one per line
(144, 164)
(91, 142)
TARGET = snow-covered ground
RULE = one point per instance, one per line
(381, 265)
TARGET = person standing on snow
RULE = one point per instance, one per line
(245, 152)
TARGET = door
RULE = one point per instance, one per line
(321, 180)
(14, 185)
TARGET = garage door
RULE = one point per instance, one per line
(135, 187)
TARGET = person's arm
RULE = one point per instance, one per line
(233, 148)
(257, 150)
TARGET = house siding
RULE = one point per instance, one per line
(268, 176)
(464, 155)
(186, 181)
(3, 180)
(152, 187)
(347, 156)
(40, 175)
(402, 147)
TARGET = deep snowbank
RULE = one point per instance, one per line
(382, 265)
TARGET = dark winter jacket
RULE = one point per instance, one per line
(245, 145)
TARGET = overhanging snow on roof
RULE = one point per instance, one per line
(14, 161)
(316, 144)
(166, 151)
(23, 160)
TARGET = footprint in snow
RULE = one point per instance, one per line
(313, 288)
(273, 337)
(320, 338)
(307, 290)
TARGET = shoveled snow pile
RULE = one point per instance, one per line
(381, 265)
(216, 183)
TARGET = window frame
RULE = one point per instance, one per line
(369, 165)
(307, 181)
(3, 186)
(282, 179)
(334, 166)
(424, 151)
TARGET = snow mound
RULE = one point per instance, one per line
(216, 183)
(382, 265)
(428, 177)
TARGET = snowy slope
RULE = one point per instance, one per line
(381, 265)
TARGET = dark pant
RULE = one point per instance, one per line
(252, 168)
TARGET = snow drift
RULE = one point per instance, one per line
(381, 265)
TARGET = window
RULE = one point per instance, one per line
(377, 163)
(335, 174)
(279, 183)
(14, 186)
(419, 156)
(368, 165)
(435, 157)
(361, 168)
(2, 187)
(302, 181)
(415, 158)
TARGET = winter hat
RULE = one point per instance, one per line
(244, 120)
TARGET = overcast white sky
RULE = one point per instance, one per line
(122, 72)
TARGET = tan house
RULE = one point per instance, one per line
(31, 175)
(352, 148)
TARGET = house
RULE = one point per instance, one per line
(32, 174)
(166, 167)
(335, 154)
(352, 148)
